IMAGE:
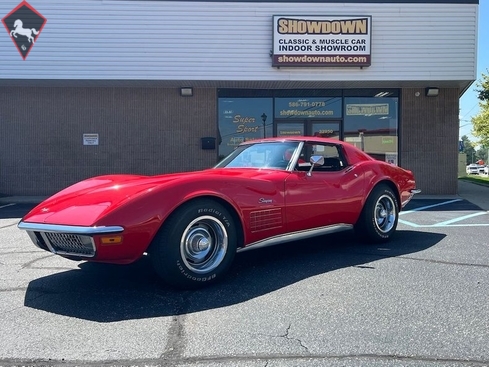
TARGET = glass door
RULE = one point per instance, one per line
(326, 129)
(296, 128)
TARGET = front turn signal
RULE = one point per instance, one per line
(111, 240)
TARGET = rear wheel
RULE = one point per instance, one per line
(380, 215)
(196, 245)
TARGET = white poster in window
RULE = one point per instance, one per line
(391, 158)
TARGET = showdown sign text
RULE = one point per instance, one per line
(322, 41)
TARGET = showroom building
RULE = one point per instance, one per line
(148, 87)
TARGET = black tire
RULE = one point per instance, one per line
(379, 217)
(195, 246)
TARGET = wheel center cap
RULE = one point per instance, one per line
(203, 244)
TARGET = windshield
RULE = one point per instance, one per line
(261, 155)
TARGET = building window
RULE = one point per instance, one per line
(371, 124)
(307, 108)
(367, 118)
(242, 119)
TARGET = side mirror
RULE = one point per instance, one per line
(316, 161)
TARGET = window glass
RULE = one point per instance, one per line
(290, 129)
(333, 160)
(372, 125)
(263, 155)
(317, 107)
(242, 119)
(326, 129)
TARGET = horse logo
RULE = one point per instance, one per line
(24, 25)
(19, 29)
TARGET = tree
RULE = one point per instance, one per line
(483, 154)
(483, 92)
(468, 149)
(480, 122)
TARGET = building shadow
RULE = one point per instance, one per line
(14, 211)
(436, 205)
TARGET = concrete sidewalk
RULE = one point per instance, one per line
(476, 194)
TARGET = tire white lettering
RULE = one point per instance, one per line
(210, 210)
(192, 277)
(217, 213)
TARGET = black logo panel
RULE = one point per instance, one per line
(24, 25)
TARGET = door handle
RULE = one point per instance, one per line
(349, 169)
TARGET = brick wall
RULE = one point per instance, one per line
(141, 131)
(155, 130)
(429, 139)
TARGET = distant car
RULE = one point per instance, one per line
(266, 192)
(473, 169)
(486, 170)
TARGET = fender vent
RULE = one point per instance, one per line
(266, 219)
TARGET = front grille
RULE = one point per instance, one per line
(70, 244)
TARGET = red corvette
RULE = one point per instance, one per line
(191, 224)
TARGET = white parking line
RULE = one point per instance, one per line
(4, 206)
(461, 218)
(429, 206)
(447, 223)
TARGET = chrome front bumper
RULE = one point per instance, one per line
(66, 240)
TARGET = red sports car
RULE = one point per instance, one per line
(191, 224)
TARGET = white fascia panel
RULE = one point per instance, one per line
(163, 40)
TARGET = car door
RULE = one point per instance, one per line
(330, 195)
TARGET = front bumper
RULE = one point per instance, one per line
(66, 240)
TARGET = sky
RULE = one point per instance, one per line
(469, 104)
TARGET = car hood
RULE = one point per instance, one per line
(87, 201)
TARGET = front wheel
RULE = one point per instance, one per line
(378, 220)
(195, 246)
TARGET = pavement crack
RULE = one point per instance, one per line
(175, 345)
(288, 337)
(28, 264)
(239, 359)
(17, 252)
(8, 226)
(14, 289)
(446, 262)
(402, 257)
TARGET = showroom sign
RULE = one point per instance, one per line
(321, 41)
(367, 109)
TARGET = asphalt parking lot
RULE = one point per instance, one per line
(420, 300)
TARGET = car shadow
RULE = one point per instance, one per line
(109, 293)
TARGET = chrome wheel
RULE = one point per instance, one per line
(385, 213)
(204, 244)
(196, 244)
